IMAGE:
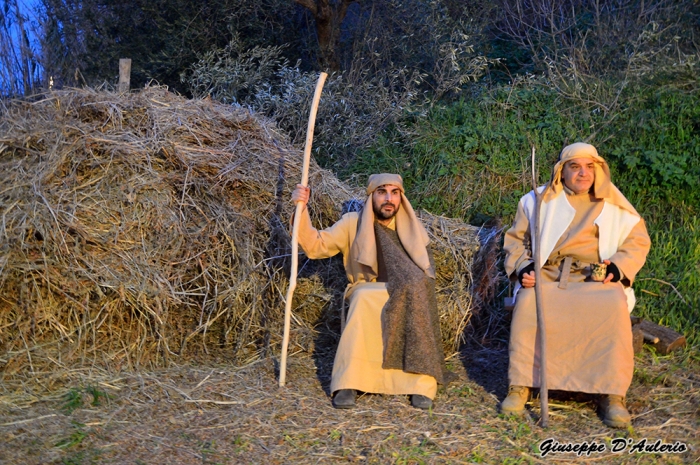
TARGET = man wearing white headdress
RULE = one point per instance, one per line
(584, 220)
(391, 340)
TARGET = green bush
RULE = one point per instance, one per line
(471, 159)
(654, 147)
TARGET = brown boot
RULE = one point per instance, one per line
(614, 412)
(514, 403)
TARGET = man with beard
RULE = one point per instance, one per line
(391, 340)
(585, 222)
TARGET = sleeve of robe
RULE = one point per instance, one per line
(327, 242)
(516, 244)
(632, 254)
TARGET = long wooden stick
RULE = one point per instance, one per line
(544, 395)
(295, 227)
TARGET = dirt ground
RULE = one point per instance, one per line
(210, 413)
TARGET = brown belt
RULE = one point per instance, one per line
(565, 272)
(566, 264)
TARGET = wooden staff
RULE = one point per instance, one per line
(544, 396)
(295, 227)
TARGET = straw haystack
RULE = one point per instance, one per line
(139, 228)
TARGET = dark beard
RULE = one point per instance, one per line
(378, 213)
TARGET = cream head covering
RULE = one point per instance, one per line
(412, 234)
(603, 188)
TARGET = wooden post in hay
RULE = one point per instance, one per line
(544, 395)
(295, 228)
(124, 75)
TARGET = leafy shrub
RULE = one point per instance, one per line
(396, 55)
(655, 147)
(354, 109)
(471, 159)
(232, 74)
(579, 43)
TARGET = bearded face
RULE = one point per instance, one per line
(386, 201)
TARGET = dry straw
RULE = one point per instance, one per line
(140, 228)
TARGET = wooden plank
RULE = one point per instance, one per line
(668, 339)
(637, 339)
(124, 75)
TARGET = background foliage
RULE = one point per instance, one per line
(471, 159)
(450, 94)
(82, 41)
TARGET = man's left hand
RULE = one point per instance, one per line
(614, 272)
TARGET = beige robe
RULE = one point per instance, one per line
(589, 338)
(358, 360)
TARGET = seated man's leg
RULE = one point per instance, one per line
(589, 340)
(358, 361)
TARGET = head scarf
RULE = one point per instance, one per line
(411, 232)
(603, 188)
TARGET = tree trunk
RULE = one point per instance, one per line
(26, 59)
(328, 17)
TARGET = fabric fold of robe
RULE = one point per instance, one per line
(589, 339)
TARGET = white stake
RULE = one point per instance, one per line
(544, 395)
(295, 228)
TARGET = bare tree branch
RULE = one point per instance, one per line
(308, 4)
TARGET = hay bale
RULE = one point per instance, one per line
(141, 227)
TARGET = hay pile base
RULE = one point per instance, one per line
(139, 228)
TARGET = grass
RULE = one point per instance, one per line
(73, 399)
(149, 419)
(76, 452)
(667, 287)
(75, 438)
(467, 159)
